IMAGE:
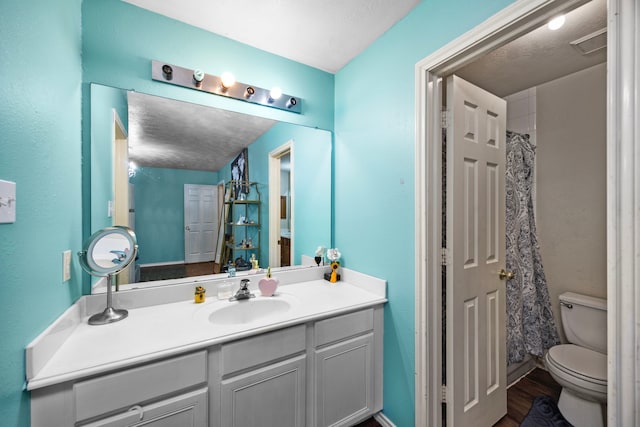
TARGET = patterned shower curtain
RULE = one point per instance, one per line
(530, 324)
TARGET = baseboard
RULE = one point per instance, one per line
(520, 370)
(383, 420)
(162, 264)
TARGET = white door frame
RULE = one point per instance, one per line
(623, 196)
(274, 202)
(120, 172)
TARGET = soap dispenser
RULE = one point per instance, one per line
(268, 284)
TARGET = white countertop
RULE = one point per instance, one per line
(162, 330)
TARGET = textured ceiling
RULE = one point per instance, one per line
(541, 55)
(324, 34)
(165, 133)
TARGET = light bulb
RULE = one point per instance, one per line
(556, 23)
(227, 80)
(132, 169)
(275, 93)
(198, 77)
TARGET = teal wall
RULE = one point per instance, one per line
(159, 204)
(40, 89)
(374, 172)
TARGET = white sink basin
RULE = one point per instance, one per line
(247, 311)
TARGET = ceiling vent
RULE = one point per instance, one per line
(591, 42)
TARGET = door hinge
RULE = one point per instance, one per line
(444, 119)
(444, 256)
(444, 393)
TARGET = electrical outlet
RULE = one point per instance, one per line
(66, 265)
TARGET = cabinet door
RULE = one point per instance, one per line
(185, 410)
(344, 381)
(270, 396)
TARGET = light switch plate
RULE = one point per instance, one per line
(66, 265)
(7, 201)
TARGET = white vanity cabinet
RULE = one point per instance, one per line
(263, 380)
(324, 371)
(347, 368)
(169, 392)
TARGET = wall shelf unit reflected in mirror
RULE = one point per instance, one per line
(242, 225)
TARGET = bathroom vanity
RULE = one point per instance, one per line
(309, 356)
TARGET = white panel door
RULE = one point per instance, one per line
(475, 308)
(200, 222)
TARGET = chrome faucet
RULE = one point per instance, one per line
(243, 292)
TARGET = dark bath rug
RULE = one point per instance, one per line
(544, 413)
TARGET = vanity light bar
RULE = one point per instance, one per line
(198, 80)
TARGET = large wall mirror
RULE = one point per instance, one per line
(161, 167)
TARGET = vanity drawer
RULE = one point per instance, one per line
(138, 385)
(341, 327)
(263, 349)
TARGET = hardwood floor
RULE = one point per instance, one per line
(200, 268)
(371, 422)
(520, 396)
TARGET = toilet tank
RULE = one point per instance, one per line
(584, 320)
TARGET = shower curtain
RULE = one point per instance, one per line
(530, 324)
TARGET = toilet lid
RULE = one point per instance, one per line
(580, 361)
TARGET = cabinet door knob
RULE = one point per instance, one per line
(138, 409)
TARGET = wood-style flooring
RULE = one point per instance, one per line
(371, 422)
(177, 271)
(520, 396)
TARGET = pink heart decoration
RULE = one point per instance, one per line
(268, 286)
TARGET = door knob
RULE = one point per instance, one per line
(505, 275)
(187, 228)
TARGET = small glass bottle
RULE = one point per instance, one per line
(231, 270)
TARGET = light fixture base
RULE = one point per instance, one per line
(180, 76)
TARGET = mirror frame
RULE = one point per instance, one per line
(87, 258)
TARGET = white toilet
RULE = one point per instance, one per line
(581, 366)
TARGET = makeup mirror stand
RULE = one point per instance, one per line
(110, 314)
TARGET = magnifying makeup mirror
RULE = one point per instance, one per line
(105, 253)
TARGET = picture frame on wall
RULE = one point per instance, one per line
(240, 173)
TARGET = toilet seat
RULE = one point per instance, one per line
(580, 365)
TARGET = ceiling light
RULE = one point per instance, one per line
(275, 94)
(556, 23)
(167, 72)
(198, 77)
(224, 85)
(227, 79)
(133, 168)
